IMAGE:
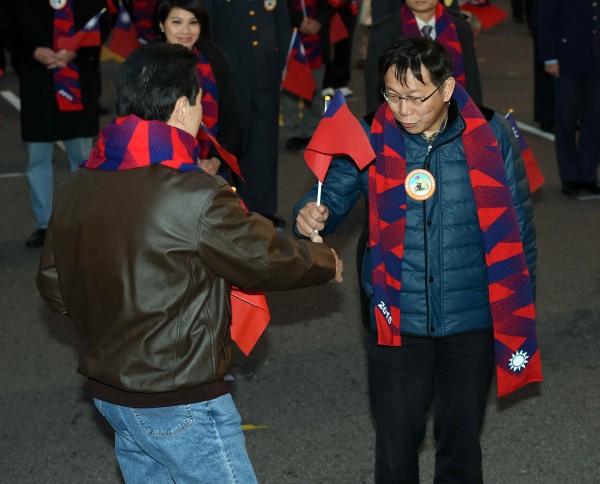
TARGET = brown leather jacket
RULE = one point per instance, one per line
(142, 260)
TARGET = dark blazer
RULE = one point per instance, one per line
(255, 39)
(389, 30)
(40, 118)
(570, 33)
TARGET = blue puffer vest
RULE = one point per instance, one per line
(444, 275)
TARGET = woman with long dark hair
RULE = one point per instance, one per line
(186, 22)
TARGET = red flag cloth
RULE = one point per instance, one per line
(229, 158)
(88, 36)
(124, 38)
(298, 78)
(534, 174)
(249, 317)
(337, 29)
(489, 15)
(111, 7)
(338, 132)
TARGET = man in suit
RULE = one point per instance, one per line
(256, 34)
(393, 27)
(569, 46)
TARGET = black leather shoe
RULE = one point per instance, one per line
(571, 189)
(278, 222)
(591, 187)
(36, 239)
(296, 144)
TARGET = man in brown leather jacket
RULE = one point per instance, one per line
(141, 252)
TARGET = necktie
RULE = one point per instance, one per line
(426, 29)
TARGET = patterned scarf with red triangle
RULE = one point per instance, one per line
(143, 11)
(311, 42)
(130, 142)
(66, 80)
(210, 101)
(510, 294)
(445, 34)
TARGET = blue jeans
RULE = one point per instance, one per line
(39, 173)
(194, 443)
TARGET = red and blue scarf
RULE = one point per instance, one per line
(311, 42)
(143, 11)
(510, 294)
(209, 100)
(445, 34)
(130, 142)
(66, 80)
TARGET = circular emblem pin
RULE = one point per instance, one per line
(420, 185)
(448, 3)
(270, 5)
(58, 4)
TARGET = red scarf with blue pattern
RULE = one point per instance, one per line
(66, 80)
(445, 34)
(509, 286)
(311, 42)
(209, 100)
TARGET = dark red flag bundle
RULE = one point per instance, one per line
(488, 15)
(124, 37)
(337, 29)
(534, 174)
(88, 36)
(298, 78)
(338, 133)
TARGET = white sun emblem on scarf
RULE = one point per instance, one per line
(518, 361)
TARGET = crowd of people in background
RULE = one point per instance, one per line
(243, 49)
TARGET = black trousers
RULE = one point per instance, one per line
(259, 159)
(454, 375)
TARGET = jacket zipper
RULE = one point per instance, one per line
(430, 148)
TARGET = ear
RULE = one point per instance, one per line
(448, 88)
(162, 27)
(180, 111)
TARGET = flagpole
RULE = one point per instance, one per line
(303, 9)
(320, 185)
(287, 58)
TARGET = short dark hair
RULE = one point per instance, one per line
(163, 9)
(153, 77)
(410, 53)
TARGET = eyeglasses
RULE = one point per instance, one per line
(393, 98)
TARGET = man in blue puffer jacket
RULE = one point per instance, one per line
(429, 203)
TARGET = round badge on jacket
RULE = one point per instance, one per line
(419, 185)
(270, 5)
(58, 4)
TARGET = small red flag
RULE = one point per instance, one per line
(337, 29)
(88, 36)
(249, 317)
(488, 15)
(124, 38)
(338, 132)
(298, 78)
(229, 158)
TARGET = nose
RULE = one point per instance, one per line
(403, 107)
